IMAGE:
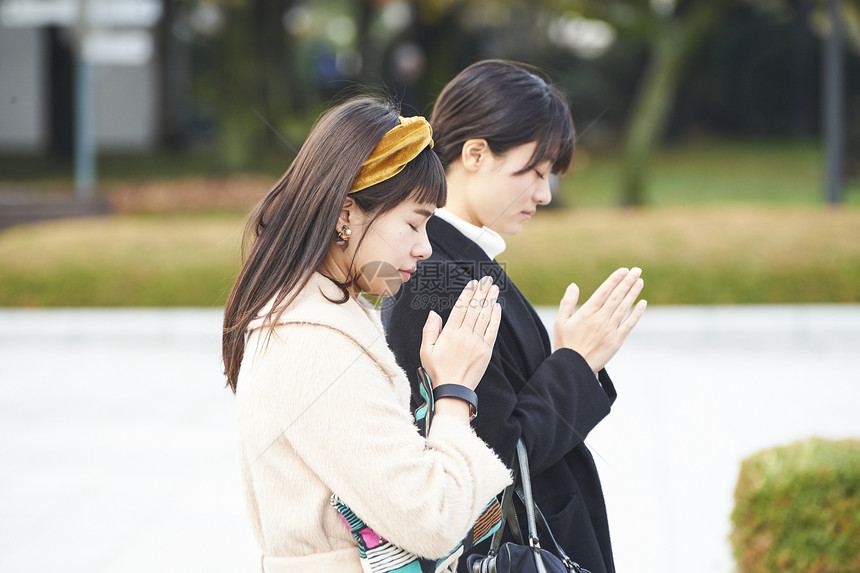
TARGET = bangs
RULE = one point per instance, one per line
(555, 143)
(426, 177)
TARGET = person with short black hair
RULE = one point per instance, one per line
(501, 131)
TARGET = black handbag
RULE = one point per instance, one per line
(520, 557)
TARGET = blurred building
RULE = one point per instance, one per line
(40, 41)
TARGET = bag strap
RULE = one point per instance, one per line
(535, 517)
(520, 473)
(523, 490)
(509, 514)
(545, 530)
(526, 481)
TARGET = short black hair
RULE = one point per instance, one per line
(507, 104)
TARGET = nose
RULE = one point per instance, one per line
(422, 248)
(543, 192)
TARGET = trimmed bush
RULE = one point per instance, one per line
(797, 508)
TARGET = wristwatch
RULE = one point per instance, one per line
(458, 391)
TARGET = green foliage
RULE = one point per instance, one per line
(710, 172)
(797, 508)
(671, 51)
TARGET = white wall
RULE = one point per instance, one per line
(125, 103)
(23, 113)
(126, 98)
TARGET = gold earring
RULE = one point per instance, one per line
(344, 233)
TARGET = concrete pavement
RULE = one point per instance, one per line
(117, 437)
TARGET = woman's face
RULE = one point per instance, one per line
(503, 199)
(392, 247)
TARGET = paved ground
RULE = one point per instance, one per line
(117, 443)
(20, 204)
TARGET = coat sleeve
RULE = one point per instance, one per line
(340, 413)
(554, 408)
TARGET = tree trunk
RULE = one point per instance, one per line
(275, 81)
(241, 88)
(172, 70)
(671, 50)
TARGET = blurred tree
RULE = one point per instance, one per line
(235, 52)
(673, 39)
(672, 31)
(263, 68)
(424, 55)
(850, 31)
(254, 83)
(850, 10)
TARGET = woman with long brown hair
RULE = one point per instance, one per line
(323, 407)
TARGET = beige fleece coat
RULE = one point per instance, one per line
(323, 408)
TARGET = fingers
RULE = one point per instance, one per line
(629, 285)
(471, 302)
(635, 283)
(486, 311)
(603, 292)
(568, 302)
(458, 313)
(493, 326)
(629, 322)
(628, 298)
(430, 333)
(478, 304)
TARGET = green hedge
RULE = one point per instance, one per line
(797, 509)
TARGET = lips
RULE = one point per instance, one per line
(528, 214)
(406, 275)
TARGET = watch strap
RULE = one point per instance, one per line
(457, 391)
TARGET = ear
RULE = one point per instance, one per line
(347, 213)
(474, 152)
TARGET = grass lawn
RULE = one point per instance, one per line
(120, 261)
(709, 172)
(694, 255)
(727, 222)
(689, 255)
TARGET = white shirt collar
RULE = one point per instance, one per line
(490, 241)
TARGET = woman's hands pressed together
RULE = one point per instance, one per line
(460, 352)
(599, 327)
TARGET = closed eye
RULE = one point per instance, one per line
(539, 174)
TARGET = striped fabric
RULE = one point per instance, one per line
(379, 555)
(487, 523)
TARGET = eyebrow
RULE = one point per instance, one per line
(424, 212)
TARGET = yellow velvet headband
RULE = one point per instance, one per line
(398, 147)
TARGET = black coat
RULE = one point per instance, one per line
(551, 399)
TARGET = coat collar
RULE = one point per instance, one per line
(452, 243)
(490, 241)
(355, 318)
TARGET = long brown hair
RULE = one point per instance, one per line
(508, 104)
(293, 226)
